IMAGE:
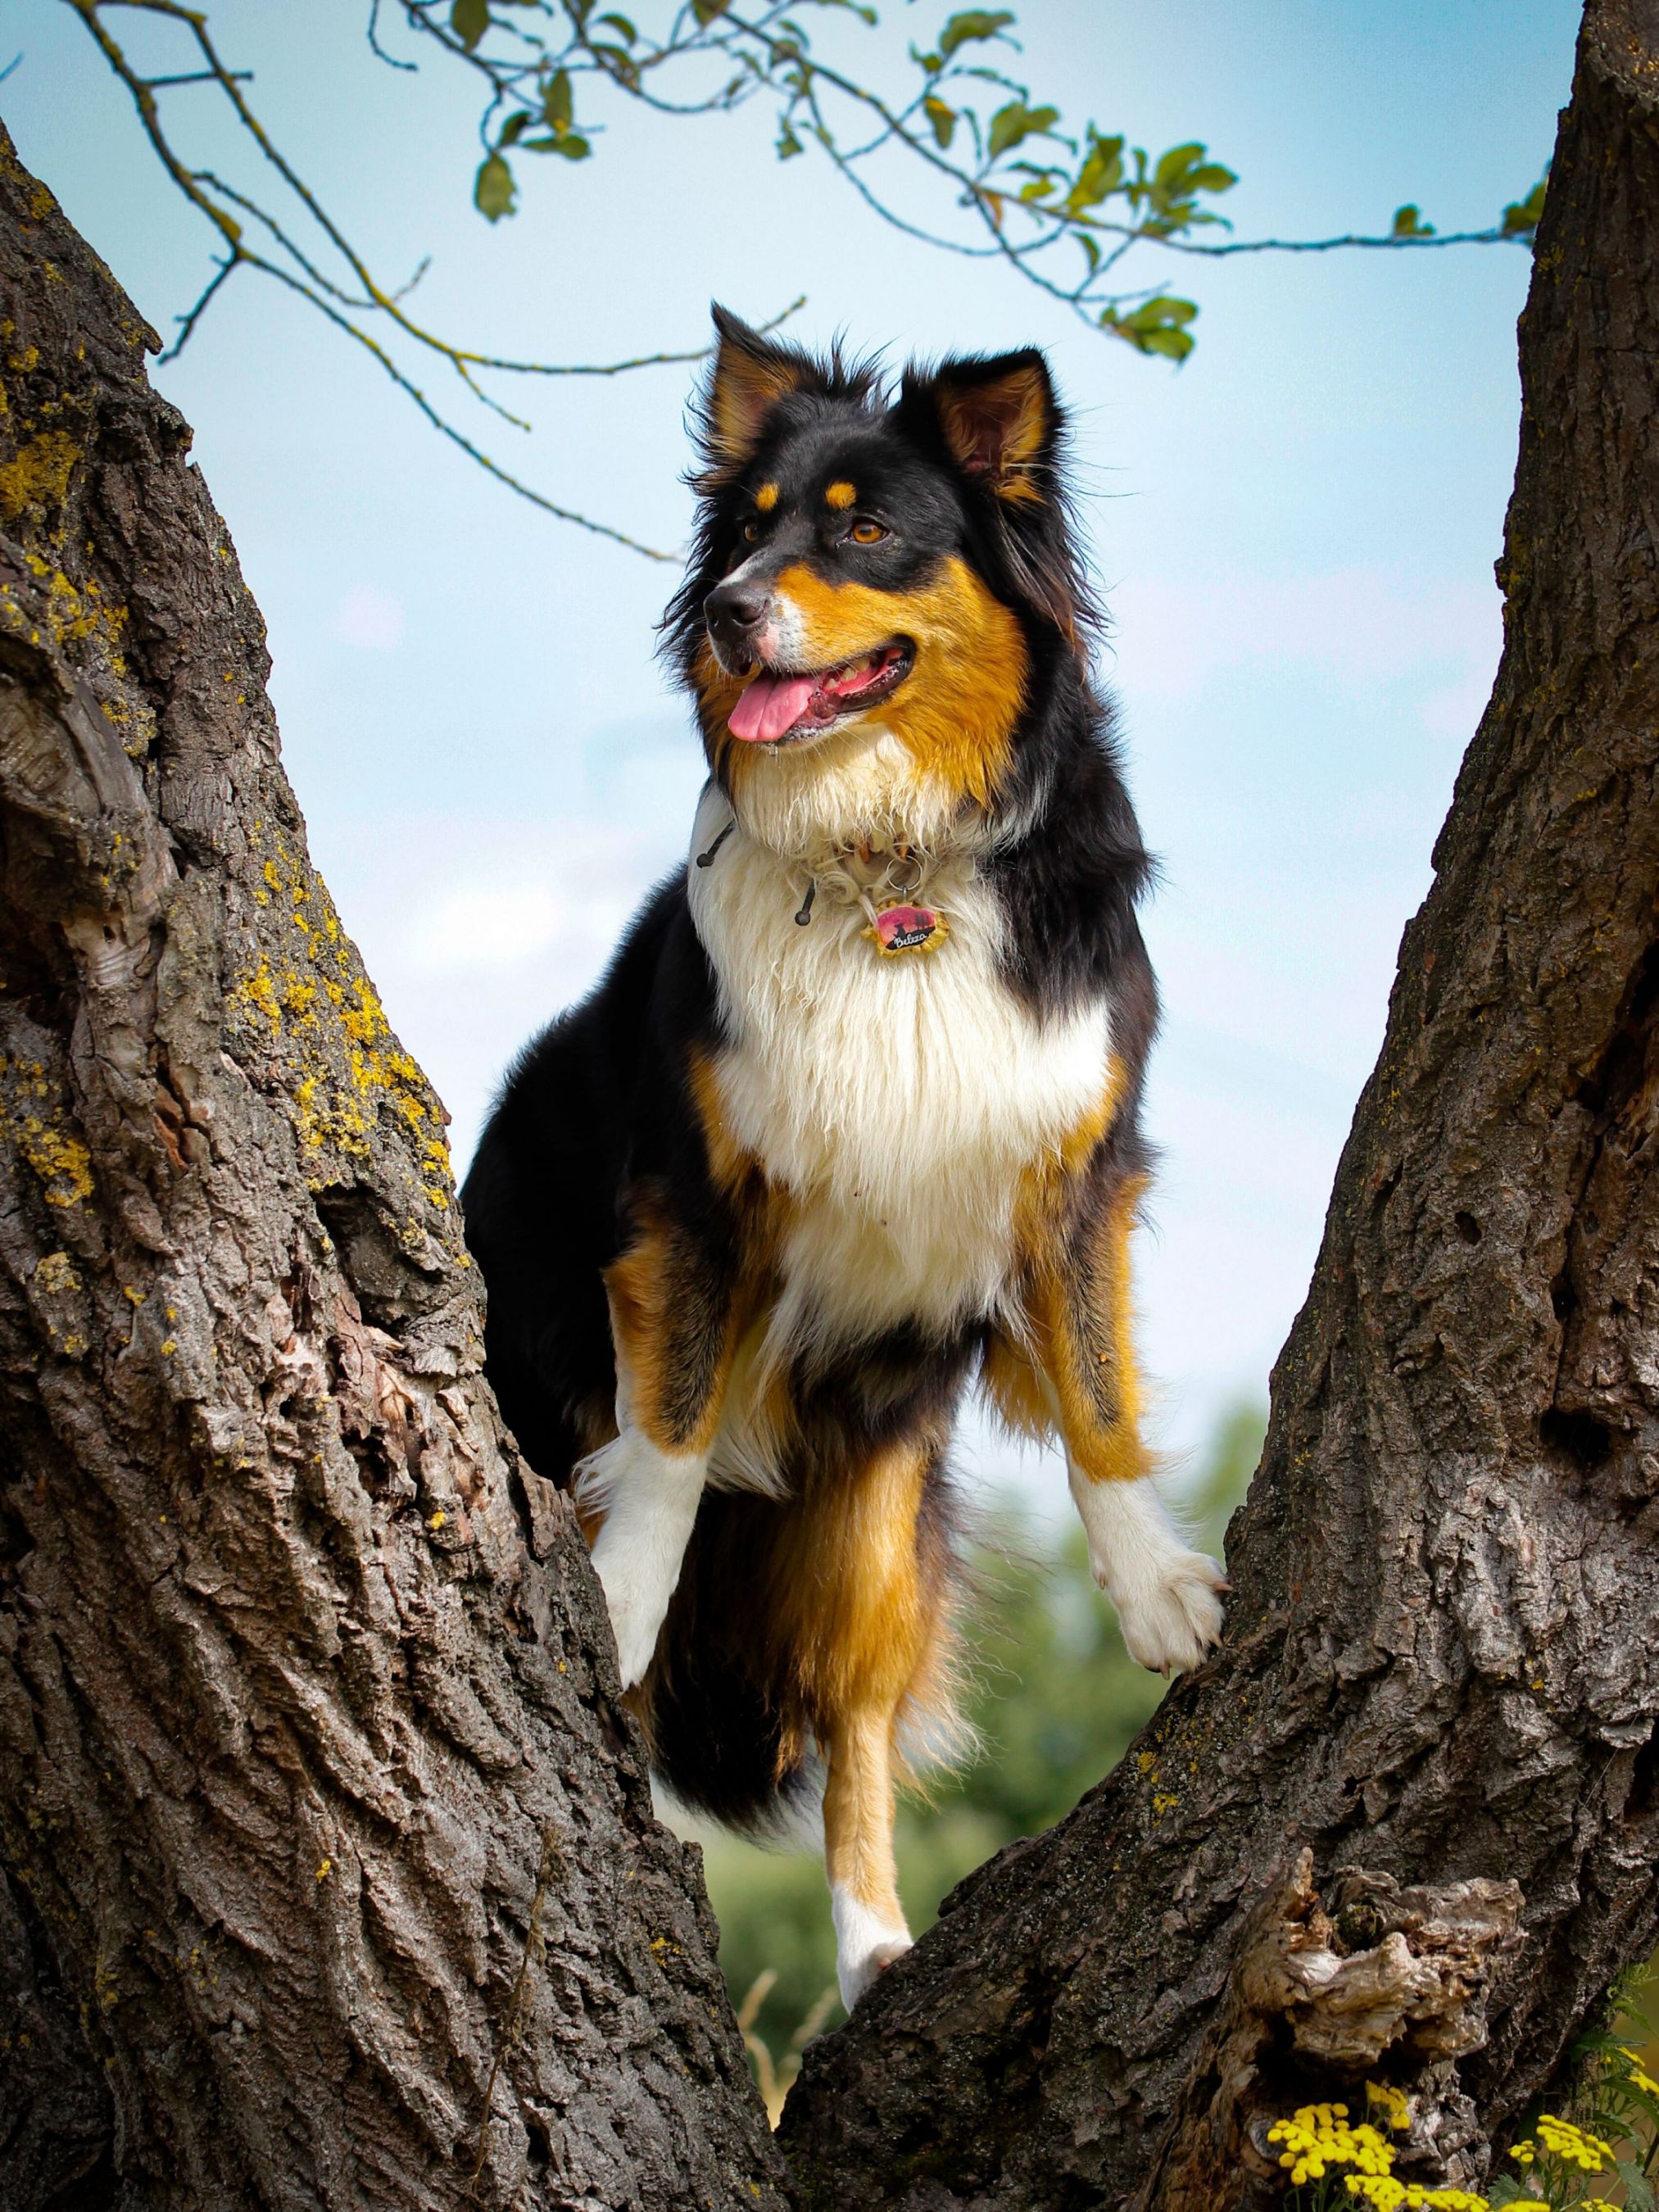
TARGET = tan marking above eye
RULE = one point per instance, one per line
(767, 498)
(839, 495)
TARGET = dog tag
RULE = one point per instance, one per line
(907, 929)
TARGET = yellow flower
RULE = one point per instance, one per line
(1572, 2144)
(1642, 2078)
(1525, 2153)
(1381, 2189)
(1319, 2136)
(1396, 2109)
(1388, 2195)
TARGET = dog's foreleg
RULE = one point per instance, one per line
(673, 1324)
(648, 1498)
(1167, 1595)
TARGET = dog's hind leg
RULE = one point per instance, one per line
(863, 1598)
(871, 1931)
(673, 1323)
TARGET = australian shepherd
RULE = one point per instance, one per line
(854, 1119)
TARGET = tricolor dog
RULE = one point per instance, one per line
(853, 1121)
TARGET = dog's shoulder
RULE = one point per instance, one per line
(1070, 870)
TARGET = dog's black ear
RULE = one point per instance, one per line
(747, 377)
(998, 417)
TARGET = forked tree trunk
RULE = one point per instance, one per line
(1442, 1664)
(329, 1874)
(317, 1815)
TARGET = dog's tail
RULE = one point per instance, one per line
(734, 1715)
(721, 1738)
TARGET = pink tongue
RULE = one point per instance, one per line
(770, 706)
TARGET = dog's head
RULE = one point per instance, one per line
(869, 569)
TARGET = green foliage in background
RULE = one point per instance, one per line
(1056, 1700)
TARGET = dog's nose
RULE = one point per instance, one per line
(735, 611)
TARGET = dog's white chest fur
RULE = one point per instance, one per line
(898, 1100)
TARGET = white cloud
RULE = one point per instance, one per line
(369, 618)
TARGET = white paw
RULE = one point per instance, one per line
(636, 1616)
(866, 1942)
(649, 1500)
(1169, 1624)
(1168, 1598)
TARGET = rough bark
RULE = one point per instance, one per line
(1441, 1676)
(309, 1736)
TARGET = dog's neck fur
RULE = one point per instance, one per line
(858, 789)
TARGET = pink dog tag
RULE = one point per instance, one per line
(907, 929)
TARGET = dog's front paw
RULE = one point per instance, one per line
(636, 1616)
(649, 1501)
(867, 1943)
(1171, 1617)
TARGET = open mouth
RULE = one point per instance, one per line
(777, 707)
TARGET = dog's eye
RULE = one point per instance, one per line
(865, 532)
(750, 532)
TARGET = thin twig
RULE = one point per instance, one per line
(214, 198)
(376, 48)
(187, 322)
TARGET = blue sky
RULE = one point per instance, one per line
(1296, 530)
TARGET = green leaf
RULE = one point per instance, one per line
(514, 127)
(557, 102)
(972, 23)
(1012, 125)
(1521, 218)
(943, 118)
(493, 192)
(623, 27)
(1099, 177)
(470, 20)
(1638, 2190)
(789, 145)
(572, 145)
(1157, 326)
(1408, 223)
(707, 11)
(1213, 177)
(1175, 167)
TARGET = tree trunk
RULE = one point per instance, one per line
(1407, 1823)
(330, 1874)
